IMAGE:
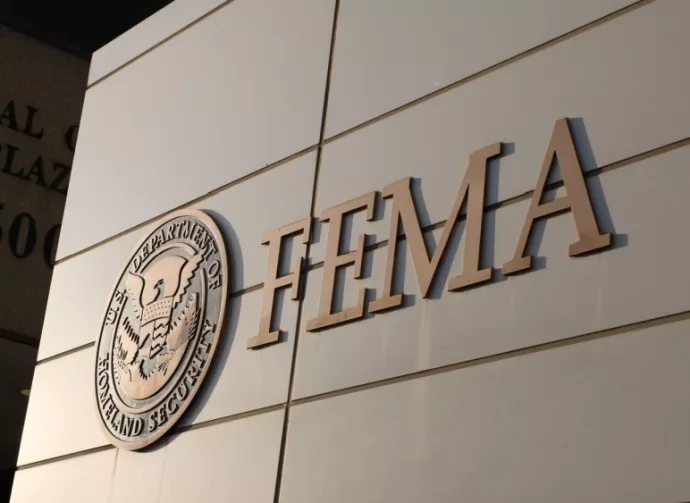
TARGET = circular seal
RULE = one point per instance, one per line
(160, 329)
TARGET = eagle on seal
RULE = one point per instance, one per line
(158, 342)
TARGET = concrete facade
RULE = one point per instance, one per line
(565, 383)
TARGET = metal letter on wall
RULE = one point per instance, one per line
(334, 260)
(404, 211)
(161, 328)
(577, 201)
(274, 240)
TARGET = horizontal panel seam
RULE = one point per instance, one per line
(189, 203)
(68, 352)
(66, 457)
(538, 348)
(491, 69)
(157, 44)
(439, 225)
(229, 418)
(175, 431)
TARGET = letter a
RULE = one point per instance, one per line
(576, 201)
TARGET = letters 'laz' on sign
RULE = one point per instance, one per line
(404, 216)
(160, 330)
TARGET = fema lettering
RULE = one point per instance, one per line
(404, 217)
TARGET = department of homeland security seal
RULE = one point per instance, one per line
(160, 329)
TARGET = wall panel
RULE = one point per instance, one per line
(240, 90)
(62, 417)
(234, 461)
(391, 52)
(85, 479)
(151, 31)
(601, 421)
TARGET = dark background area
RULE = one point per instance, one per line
(77, 26)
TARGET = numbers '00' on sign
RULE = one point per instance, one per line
(22, 237)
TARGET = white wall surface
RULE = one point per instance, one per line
(147, 34)
(240, 90)
(198, 465)
(390, 53)
(566, 383)
(604, 420)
